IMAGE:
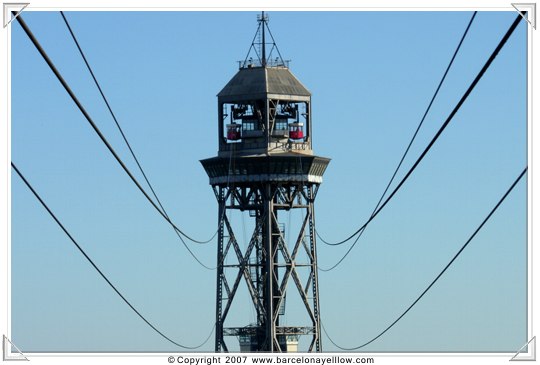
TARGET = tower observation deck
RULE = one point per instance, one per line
(266, 166)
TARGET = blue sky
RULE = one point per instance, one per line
(371, 74)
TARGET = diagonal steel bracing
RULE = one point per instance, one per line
(267, 265)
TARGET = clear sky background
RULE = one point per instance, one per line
(371, 74)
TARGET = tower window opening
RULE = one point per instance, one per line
(251, 128)
(304, 113)
(238, 111)
(248, 126)
(281, 124)
(245, 122)
(281, 127)
(290, 110)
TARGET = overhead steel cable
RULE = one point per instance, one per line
(437, 135)
(123, 134)
(101, 136)
(413, 137)
(81, 250)
(440, 274)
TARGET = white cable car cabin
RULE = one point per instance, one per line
(296, 130)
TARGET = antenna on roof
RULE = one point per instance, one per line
(258, 46)
(263, 20)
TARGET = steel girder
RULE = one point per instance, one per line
(267, 264)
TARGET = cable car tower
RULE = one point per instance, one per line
(266, 166)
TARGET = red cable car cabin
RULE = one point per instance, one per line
(233, 132)
(296, 131)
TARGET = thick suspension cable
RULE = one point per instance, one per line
(100, 134)
(122, 131)
(414, 135)
(81, 250)
(440, 274)
(437, 135)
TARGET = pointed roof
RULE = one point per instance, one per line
(251, 83)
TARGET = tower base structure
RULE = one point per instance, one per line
(266, 186)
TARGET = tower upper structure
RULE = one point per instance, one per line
(264, 109)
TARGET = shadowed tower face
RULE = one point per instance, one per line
(266, 166)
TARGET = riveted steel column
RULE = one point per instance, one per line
(269, 270)
(219, 271)
(314, 273)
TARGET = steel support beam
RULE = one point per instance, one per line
(267, 264)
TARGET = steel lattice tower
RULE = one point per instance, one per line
(265, 165)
